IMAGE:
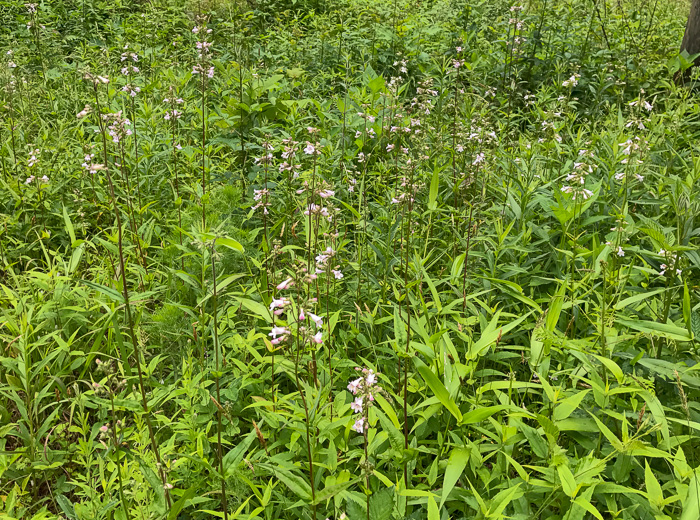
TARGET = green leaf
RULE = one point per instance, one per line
(157, 486)
(455, 466)
(234, 456)
(230, 243)
(695, 324)
(612, 366)
(654, 493)
(433, 511)
(381, 504)
(568, 482)
(691, 506)
(295, 483)
(395, 436)
(438, 388)
(112, 294)
(492, 332)
(637, 298)
(65, 504)
(256, 308)
(434, 184)
(657, 412)
(686, 308)
(537, 442)
(479, 414)
(616, 444)
(568, 405)
(182, 501)
(330, 491)
(586, 504)
(69, 226)
(664, 330)
(503, 498)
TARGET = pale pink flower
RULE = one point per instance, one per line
(371, 377)
(354, 386)
(286, 284)
(318, 320)
(359, 425)
(278, 331)
(356, 405)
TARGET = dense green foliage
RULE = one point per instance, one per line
(301, 259)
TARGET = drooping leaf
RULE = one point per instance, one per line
(438, 388)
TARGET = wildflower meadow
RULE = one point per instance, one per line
(352, 259)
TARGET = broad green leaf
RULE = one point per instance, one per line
(691, 506)
(69, 228)
(585, 503)
(654, 493)
(381, 504)
(112, 294)
(608, 434)
(565, 408)
(537, 442)
(330, 491)
(613, 367)
(568, 482)
(492, 332)
(664, 330)
(256, 308)
(65, 504)
(455, 466)
(499, 503)
(637, 298)
(396, 438)
(295, 483)
(438, 388)
(479, 414)
(433, 511)
(657, 412)
(157, 486)
(182, 501)
(230, 243)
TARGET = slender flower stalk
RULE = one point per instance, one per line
(206, 72)
(96, 80)
(218, 387)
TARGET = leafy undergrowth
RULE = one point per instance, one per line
(289, 259)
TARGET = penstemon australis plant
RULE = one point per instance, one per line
(96, 81)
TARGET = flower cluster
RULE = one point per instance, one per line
(322, 263)
(172, 114)
(118, 126)
(315, 209)
(577, 180)
(87, 164)
(95, 79)
(131, 89)
(364, 389)
(673, 263)
(261, 197)
(32, 178)
(572, 81)
(312, 149)
(85, 111)
(407, 192)
(280, 305)
(130, 69)
(33, 159)
(203, 51)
